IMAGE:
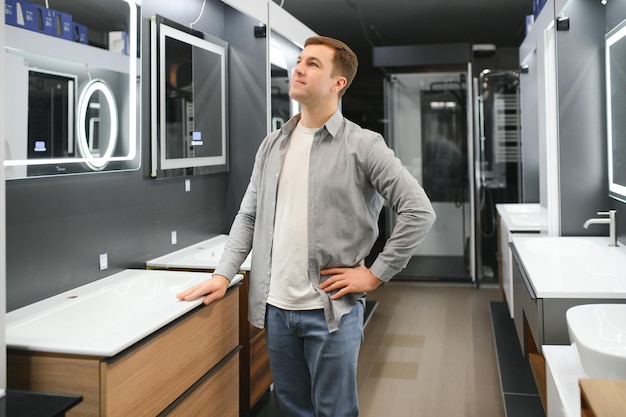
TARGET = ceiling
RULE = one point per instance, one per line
(366, 23)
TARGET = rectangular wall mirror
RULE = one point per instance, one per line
(616, 110)
(71, 107)
(189, 127)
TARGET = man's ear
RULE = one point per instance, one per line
(340, 82)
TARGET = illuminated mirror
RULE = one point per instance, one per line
(71, 108)
(616, 110)
(189, 127)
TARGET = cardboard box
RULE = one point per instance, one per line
(118, 42)
(63, 27)
(80, 33)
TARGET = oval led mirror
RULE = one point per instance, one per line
(96, 124)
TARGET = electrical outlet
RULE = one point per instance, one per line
(187, 185)
(174, 237)
(104, 261)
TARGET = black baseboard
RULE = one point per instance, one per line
(519, 391)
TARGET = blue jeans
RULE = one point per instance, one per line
(314, 371)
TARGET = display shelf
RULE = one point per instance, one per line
(32, 44)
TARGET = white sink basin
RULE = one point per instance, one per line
(599, 333)
(103, 317)
(201, 256)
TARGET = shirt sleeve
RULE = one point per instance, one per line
(241, 233)
(408, 200)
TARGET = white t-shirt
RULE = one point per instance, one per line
(290, 287)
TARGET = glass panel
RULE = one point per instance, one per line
(428, 130)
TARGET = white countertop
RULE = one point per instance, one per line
(104, 317)
(565, 370)
(523, 217)
(573, 267)
(202, 255)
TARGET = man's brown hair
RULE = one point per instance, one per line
(345, 61)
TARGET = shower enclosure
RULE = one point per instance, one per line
(498, 125)
(460, 137)
(430, 130)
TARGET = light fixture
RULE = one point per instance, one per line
(96, 162)
(603, 2)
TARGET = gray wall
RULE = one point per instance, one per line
(58, 226)
(530, 132)
(582, 116)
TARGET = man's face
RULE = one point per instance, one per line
(312, 79)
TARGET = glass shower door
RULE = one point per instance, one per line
(429, 128)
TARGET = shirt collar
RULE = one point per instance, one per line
(332, 125)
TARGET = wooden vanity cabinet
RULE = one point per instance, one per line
(189, 365)
(254, 373)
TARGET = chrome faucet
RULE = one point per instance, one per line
(609, 220)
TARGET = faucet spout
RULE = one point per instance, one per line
(610, 220)
(596, 221)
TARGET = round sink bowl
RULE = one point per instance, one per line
(599, 333)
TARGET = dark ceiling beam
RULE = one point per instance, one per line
(422, 55)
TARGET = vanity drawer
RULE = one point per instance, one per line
(158, 371)
(215, 396)
(57, 373)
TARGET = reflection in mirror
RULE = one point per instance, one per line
(71, 108)
(190, 80)
(616, 110)
(283, 56)
(50, 115)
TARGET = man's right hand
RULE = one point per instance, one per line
(212, 289)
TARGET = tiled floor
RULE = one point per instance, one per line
(428, 352)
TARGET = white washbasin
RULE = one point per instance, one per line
(599, 333)
(104, 317)
(567, 246)
(200, 256)
(527, 220)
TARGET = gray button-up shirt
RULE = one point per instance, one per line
(351, 173)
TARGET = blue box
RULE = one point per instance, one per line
(30, 16)
(11, 10)
(63, 27)
(80, 33)
(39, 19)
(530, 21)
(19, 13)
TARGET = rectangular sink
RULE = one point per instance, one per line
(202, 255)
(103, 317)
(573, 266)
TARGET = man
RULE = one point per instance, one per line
(310, 215)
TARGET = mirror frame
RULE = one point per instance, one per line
(617, 190)
(161, 166)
